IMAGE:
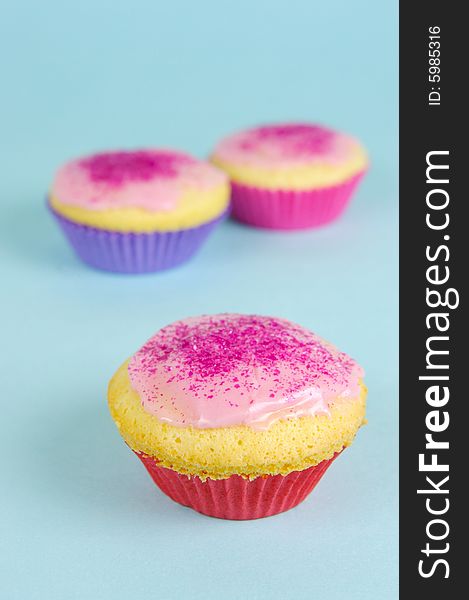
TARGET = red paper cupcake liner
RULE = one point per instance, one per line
(237, 498)
(291, 209)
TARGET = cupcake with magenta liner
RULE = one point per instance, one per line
(138, 211)
(237, 416)
(290, 176)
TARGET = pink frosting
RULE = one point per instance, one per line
(150, 179)
(284, 145)
(229, 369)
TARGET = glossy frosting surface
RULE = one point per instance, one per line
(229, 369)
(150, 179)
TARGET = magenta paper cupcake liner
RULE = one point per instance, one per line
(236, 497)
(291, 209)
(122, 252)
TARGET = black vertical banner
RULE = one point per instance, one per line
(434, 259)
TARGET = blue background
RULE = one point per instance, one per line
(80, 517)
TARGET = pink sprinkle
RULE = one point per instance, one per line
(115, 168)
(297, 137)
(274, 362)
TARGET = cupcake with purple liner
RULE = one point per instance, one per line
(290, 176)
(138, 211)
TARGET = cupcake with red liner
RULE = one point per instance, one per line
(138, 211)
(290, 176)
(237, 416)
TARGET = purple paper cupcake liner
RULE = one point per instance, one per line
(122, 252)
(291, 209)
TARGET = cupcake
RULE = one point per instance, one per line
(237, 416)
(138, 211)
(291, 176)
